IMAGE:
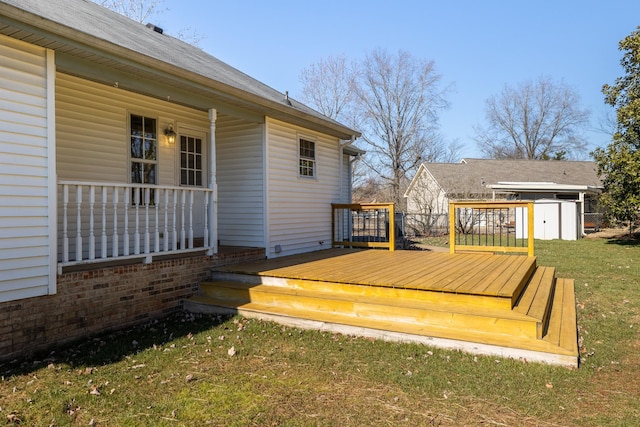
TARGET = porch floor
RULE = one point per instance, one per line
(482, 303)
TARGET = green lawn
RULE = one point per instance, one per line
(198, 370)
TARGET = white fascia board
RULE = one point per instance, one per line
(543, 187)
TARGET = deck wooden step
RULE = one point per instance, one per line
(562, 330)
(480, 342)
(536, 299)
(391, 292)
(375, 306)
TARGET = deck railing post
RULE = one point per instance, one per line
(392, 227)
(452, 227)
(530, 230)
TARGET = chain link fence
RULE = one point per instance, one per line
(422, 225)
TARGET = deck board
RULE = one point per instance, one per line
(477, 274)
(494, 274)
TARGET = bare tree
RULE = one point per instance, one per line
(143, 10)
(538, 119)
(138, 10)
(394, 100)
(398, 99)
(327, 86)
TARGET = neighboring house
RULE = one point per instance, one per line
(435, 184)
(131, 162)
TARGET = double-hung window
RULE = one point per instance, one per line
(144, 151)
(307, 158)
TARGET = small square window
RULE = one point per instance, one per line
(307, 158)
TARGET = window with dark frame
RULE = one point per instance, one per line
(144, 155)
(307, 158)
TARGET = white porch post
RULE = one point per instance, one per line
(213, 185)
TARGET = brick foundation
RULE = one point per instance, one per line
(103, 299)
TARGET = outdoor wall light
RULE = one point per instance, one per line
(170, 134)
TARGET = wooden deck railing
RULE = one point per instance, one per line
(491, 227)
(100, 221)
(370, 225)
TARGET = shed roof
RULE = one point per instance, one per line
(474, 176)
(86, 30)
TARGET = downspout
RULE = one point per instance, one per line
(345, 143)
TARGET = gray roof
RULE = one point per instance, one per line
(472, 176)
(86, 30)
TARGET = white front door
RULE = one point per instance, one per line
(193, 171)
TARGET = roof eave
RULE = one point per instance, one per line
(54, 31)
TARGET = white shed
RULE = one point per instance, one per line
(553, 219)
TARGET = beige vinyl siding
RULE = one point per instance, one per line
(93, 143)
(300, 207)
(25, 259)
(240, 180)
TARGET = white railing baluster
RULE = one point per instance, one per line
(136, 232)
(174, 230)
(65, 227)
(114, 249)
(156, 236)
(92, 236)
(190, 219)
(103, 237)
(206, 219)
(147, 200)
(183, 195)
(79, 223)
(125, 243)
(166, 221)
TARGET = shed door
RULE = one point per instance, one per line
(546, 220)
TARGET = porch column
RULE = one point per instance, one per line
(213, 185)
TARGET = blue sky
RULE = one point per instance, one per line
(477, 46)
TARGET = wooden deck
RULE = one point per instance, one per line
(484, 303)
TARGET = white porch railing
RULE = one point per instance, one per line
(100, 221)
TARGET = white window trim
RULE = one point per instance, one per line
(315, 157)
